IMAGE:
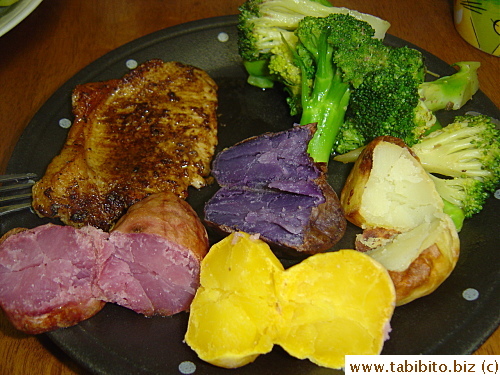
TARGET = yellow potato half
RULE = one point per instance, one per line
(232, 317)
(334, 304)
(323, 308)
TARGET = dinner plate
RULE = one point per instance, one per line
(11, 16)
(455, 319)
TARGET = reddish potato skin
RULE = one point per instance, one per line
(168, 216)
(62, 317)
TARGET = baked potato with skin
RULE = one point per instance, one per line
(391, 197)
(389, 188)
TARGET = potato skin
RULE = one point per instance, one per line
(432, 267)
(167, 215)
(327, 225)
(436, 259)
(352, 192)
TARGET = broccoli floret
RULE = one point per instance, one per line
(264, 26)
(396, 101)
(453, 91)
(463, 159)
(388, 104)
(467, 193)
(469, 146)
(336, 48)
(387, 100)
(349, 138)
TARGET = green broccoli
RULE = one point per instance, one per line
(332, 53)
(453, 91)
(456, 214)
(342, 65)
(388, 104)
(467, 193)
(396, 101)
(469, 146)
(266, 28)
(463, 159)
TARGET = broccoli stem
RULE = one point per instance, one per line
(453, 91)
(326, 103)
(456, 214)
(258, 74)
(329, 115)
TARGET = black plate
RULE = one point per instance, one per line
(118, 341)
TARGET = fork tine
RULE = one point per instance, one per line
(17, 177)
(13, 185)
(13, 208)
(11, 198)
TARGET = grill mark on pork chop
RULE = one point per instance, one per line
(153, 130)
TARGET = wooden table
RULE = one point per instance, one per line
(61, 37)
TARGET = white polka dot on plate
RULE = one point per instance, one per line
(497, 194)
(64, 123)
(223, 37)
(470, 294)
(131, 64)
(187, 368)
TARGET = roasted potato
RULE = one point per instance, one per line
(389, 188)
(392, 198)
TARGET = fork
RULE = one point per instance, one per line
(15, 192)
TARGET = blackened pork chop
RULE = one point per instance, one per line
(153, 130)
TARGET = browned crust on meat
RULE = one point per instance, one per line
(153, 130)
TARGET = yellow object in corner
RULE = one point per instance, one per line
(478, 22)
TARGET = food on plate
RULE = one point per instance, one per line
(56, 276)
(463, 161)
(325, 307)
(271, 186)
(154, 265)
(47, 275)
(419, 260)
(403, 105)
(451, 92)
(265, 26)
(394, 200)
(166, 215)
(233, 315)
(153, 130)
(338, 72)
(388, 188)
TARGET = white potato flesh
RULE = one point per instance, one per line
(399, 194)
(398, 254)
